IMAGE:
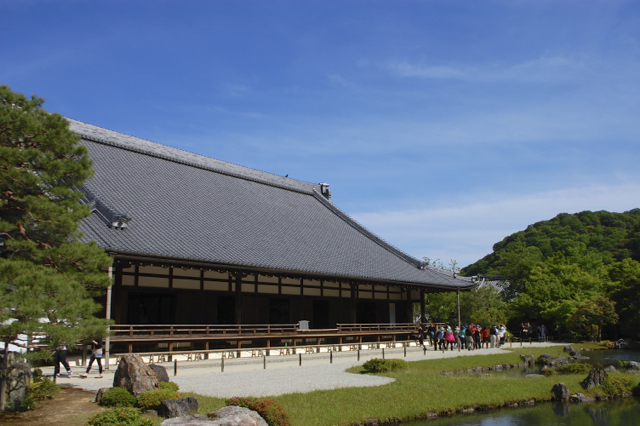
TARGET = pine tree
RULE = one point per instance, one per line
(48, 279)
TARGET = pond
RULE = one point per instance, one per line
(612, 357)
(620, 412)
(604, 357)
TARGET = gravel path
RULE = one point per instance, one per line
(246, 376)
(276, 381)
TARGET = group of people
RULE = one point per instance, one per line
(60, 357)
(528, 332)
(470, 337)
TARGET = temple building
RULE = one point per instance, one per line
(197, 240)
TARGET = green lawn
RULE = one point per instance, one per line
(420, 389)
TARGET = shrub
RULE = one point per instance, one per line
(272, 412)
(548, 372)
(241, 402)
(118, 397)
(617, 384)
(153, 399)
(119, 417)
(608, 344)
(377, 365)
(624, 364)
(577, 368)
(41, 388)
(170, 386)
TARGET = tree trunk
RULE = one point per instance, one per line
(5, 374)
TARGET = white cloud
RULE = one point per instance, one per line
(466, 230)
(545, 68)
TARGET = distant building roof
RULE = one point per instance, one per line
(154, 200)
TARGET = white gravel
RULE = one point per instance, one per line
(276, 381)
(246, 376)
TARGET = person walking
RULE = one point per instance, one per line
(60, 357)
(96, 355)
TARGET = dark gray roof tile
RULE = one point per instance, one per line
(190, 207)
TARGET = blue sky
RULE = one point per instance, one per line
(443, 126)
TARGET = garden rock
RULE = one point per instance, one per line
(178, 407)
(610, 369)
(545, 359)
(226, 416)
(621, 344)
(100, 394)
(636, 390)
(560, 392)
(582, 399)
(134, 375)
(560, 361)
(634, 365)
(568, 348)
(161, 372)
(596, 377)
(18, 380)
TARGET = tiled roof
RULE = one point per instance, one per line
(187, 206)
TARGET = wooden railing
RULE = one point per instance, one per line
(201, 329)
(345, 328)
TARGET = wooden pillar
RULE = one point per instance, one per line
(409, 306)
(423, 313)
(354, 289)
(238, 299)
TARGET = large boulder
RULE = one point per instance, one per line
(226, 416)
(568, 348)
(596, 377)
(134, 375)
(560, 392)
(161, 372)
(634, 365)
(178, 407)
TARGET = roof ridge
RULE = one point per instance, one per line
(262, 177)
(360, 228)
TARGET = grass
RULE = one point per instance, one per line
(420, 389)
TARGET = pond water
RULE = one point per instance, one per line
(604, 357)
(612, 357)
(620, 412)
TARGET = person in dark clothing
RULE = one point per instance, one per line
(421, 336)
(60, 357)
(96, 355)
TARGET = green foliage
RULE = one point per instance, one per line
(241, 402)
(574, 368)
(548, 372)
(169, 386)
(41, 388)
(153, 399)
(45, 272)
(118, 397)
(377, 365)
(272, 412)
(119, 417)
(578, 274)
(617, 385)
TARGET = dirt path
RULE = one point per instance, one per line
(72, 407)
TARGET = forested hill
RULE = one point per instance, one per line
(615, 235)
